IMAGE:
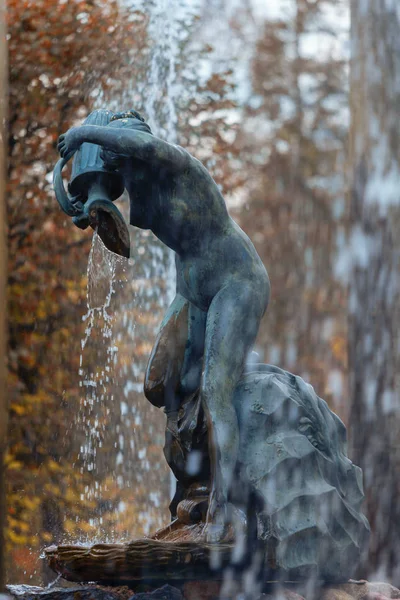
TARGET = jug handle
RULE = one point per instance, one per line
(64, 199)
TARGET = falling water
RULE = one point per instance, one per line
(120, 457)
(96, 382)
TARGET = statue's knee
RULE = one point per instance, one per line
(154, 389)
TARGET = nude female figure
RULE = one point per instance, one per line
(221, 281)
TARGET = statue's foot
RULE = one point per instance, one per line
(215, 533)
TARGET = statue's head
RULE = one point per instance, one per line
(129, 119)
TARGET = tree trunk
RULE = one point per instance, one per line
(3, 394)
(374, 298)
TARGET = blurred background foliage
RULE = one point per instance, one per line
(263, 103)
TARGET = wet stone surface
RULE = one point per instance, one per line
(92, 592)
(87, 592)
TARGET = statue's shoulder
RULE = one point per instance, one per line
(200, 169)
(193, 161)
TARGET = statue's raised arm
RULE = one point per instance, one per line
(137, 143)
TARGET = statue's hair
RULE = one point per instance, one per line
(126, 114)
(130, 119)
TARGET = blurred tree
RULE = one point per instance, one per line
(292, 148)
(3, 287)
(374, 262)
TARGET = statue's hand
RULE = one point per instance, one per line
(68, 143)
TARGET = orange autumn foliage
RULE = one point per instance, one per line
(59, 52)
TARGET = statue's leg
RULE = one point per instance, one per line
(177, 353)
(163, 374)
(232, 324)
(166, 358)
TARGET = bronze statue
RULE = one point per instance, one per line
(221, 282)
(253, 448)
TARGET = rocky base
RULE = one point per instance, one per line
(210, 590)
(295, 485)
